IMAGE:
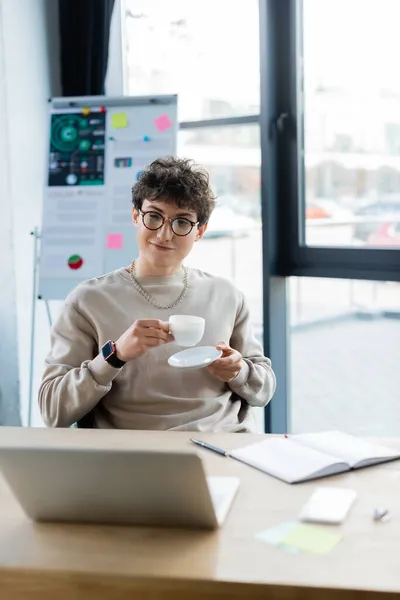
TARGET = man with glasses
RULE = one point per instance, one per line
(111, 343)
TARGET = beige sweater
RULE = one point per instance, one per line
(147, 393)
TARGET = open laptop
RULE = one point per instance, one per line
(116, 486)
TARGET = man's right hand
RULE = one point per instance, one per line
(141, 336)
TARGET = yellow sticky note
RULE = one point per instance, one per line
(119, 120)
(312, 538)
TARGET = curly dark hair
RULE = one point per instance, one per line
(178, 180)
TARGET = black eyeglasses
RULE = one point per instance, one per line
(153, 220)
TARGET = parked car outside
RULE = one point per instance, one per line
(387, 211)
(388, 234)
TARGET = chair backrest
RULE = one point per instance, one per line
(87, 422)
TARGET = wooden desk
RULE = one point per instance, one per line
(74, 562)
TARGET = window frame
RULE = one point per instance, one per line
(293, 256)
(205, 123)
(283, 198)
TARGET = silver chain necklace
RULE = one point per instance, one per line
(147, 296)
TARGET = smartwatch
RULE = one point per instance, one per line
(109, 353)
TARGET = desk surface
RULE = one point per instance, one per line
(97, 562)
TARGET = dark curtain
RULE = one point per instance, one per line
(84, 34)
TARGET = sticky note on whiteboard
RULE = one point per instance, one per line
(114, 241)
(119, 120)
(162, 123)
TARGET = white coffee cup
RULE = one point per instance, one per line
(187, 330)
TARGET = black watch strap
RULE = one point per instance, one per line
(110, 355)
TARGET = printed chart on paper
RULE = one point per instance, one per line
(97, 150)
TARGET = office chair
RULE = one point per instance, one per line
(87, 422)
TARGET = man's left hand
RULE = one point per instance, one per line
(228, 365)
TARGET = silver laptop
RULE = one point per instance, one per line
(116, 486)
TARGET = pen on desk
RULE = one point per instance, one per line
(210, 447)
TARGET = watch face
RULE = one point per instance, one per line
(107, 350)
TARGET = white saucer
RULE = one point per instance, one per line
(194, 358)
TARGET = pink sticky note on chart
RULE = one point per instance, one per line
(114, 241)
(162, 123)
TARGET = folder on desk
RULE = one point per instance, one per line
(310, 456)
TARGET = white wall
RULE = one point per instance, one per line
(29, 76)
(8, 327)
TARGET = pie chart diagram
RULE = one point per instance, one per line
(64, 132)
(75, 262)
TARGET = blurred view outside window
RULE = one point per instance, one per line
(344, 343)
(206, 52)
(192, 49)
(351, 122)
(345, 356)
(344, 349)
(232, 245)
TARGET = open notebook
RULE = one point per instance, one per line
(310, 456)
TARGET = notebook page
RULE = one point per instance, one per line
(287, 460)
(348, 447)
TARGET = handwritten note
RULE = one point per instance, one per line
(162, 123)
(119, 120)
(114, 241)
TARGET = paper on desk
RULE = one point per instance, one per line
(275, 535)
(293, 536)
(312, 538)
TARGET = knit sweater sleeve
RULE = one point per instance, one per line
(256, 381)
(76, 376)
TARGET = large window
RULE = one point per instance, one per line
(207, 52)
(346, 104)
(309, 227)
(192, 49)
(232, 245)
(351, 122)
(330, 126)
(344, 356)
